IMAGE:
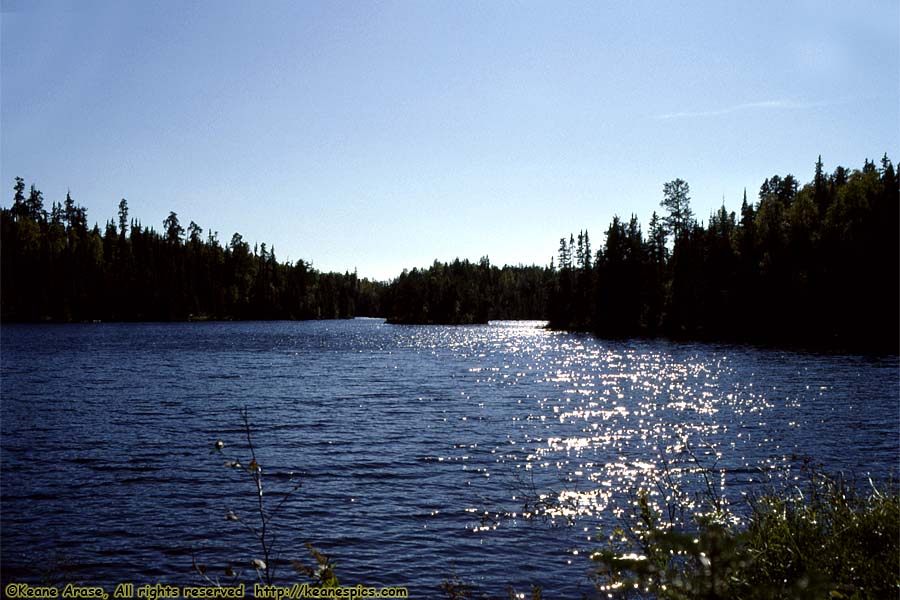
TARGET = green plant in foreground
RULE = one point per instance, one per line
(831, 536)
(323, 574)
(826, 540)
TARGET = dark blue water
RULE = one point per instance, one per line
(495, 453)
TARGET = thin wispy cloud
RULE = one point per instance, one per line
(748, 106)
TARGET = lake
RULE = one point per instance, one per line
(496, 453)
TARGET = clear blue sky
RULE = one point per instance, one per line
(384, 135)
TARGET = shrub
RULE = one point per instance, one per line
(826, 539)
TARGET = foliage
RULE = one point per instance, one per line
(55, 268)
(463, 293)
(814, 265)
(826, 540)
(677, 203)
(831, 537)
(322, 574)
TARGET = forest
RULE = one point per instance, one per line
(462, 293)
(56, 268)
(815, 264)
(811, 265)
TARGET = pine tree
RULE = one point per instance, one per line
(18, 208)
(820, 190)
(123, 218)
(677, 202)
(173, 229)
(34, 206)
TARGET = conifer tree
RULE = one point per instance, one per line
(677, 202)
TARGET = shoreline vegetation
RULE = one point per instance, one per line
(812, 536)
(812, 265)
(819, 537)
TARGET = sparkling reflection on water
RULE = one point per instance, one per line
(497, 453)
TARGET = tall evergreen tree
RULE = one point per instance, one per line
(18, 208)
(34, 206)
(677, 202)
(174, 230)
(123, 217)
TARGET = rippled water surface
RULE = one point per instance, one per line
(491, 452)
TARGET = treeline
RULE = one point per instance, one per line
(461, 293)
(55, 268)
(815, 264)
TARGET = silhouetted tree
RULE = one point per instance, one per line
(173, 229)
(815, 264)
(55, 268)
